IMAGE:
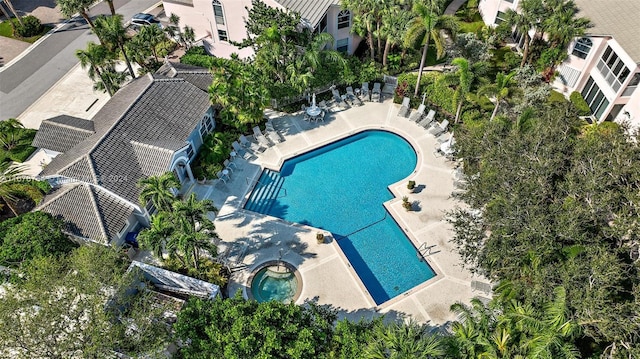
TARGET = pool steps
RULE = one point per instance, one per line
(265, 193)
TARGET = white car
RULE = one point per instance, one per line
(143, 19)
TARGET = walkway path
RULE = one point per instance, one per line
(453, 7)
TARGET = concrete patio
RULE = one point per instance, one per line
(250, 239)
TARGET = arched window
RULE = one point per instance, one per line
(344, 19)
(218, 12)
(582, 47)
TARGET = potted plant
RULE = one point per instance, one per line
(411, 185)
(320, 237)
(406, 204)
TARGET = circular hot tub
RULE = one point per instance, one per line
(275, 280)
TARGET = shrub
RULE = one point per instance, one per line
(31, 26)
(579, 103)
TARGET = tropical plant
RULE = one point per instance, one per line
(30, 26)
(159, 190)
(101, 64)
(499, 90)
(14, 185)
(367, 19)
(465, 78)
(426, 26)
(9, 4)
(394, 27)
(113, 34)
(151, 37)
(400, 340)
(71, 7)
(525, 19)
(158, 234)
(15, 139)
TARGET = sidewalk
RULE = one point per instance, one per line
(454, 6)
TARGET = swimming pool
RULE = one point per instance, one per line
(340, 188)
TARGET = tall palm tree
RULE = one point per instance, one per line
(70, 7)
(13, 11)
(465, 79)
(473, 333)
(394, 29)
(151, 36)
(527, 18)
(111, 7)
(426, 26)
(195, 231)
(159, 190)
(400, 340)
(13, 136)
(98, 59)
(363, 15)
(195, 211)
(111, 31)
(500, 90)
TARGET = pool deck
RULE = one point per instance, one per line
(250, 239)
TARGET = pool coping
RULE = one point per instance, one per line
(387, 205)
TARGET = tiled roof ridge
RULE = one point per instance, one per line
(55, 123)
(96, 208)
(155, 147)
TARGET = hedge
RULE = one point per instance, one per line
(579, 103)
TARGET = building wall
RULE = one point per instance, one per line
(489, 9)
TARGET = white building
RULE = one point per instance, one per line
(604, 65)
(217, 23)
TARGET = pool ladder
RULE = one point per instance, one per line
(424, 250)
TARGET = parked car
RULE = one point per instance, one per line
(142, 19)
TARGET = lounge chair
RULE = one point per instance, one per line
(428, 119)
(256, 132)
(376, 93)
(417, 115)
(255, 148)
(273, 135)
(323, 106)
(352, 97)
(339, 99)
(364, 91)
(404, 108)
(262, 141)
(439, 128)
(222, 177)
(239, 150)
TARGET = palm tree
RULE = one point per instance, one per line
(394, 29)
(363, 13)
(159, 190)
(14, 12)
(195, 212)
(465, 79)
(111, 31)
(70, 7)
(195, 231)
(98, 59)
(14, 186)
(156, 237)
(13, 136)
(473, 334)
(111, 8)
(500, 90)
(525, 19)
(429, 24)
(151, 37)
(400, 340)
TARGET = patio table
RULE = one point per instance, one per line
(313, 111)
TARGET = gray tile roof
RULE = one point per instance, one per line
(88, 211)
(152, 159)
(197, 76)
(310, 10)
(62, 133)
(147, 111)
(617, 18)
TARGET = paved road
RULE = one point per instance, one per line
(30, 77)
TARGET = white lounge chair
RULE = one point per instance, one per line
(439, 128)
(262, 141)
(404, 108)
(229, 165)
(417, 115)
(428, 119)
(222, 177)
(257, 132)
(254, 147)
(364, 91)
(240, 151)
(339, 99)
(273, 135)
(376, 93)
(352, 97)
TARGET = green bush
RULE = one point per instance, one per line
(579, 103)
(31, 26)
(215, 149)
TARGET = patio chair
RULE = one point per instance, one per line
(340, 100)
(323, 106)
(417, 115)
(229, 165)
(352, 97)
(364, 91)
(239, 150)
(221, 177)
(404, 108)
(262, 141)
(376, 93)
(257, 132)
(255, 148)
(428, 119)
(439, 128)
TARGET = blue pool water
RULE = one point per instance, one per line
(340, 188)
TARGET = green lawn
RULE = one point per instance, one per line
(7, 31)
(470, 26)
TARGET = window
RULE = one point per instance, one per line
(222, 35)
(582, 47)
(613, 69)
(500, 17)
(342, 45)
(615, 111)
(595, 98)
(322, 26)
(633, 85)
(344, 19)
(206, 125)
(218, 12)
(189, 152)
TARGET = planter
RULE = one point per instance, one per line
(406, 204)
(411, 185)
(202, 180)
(320, 237)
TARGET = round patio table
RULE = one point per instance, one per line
(313, 111)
